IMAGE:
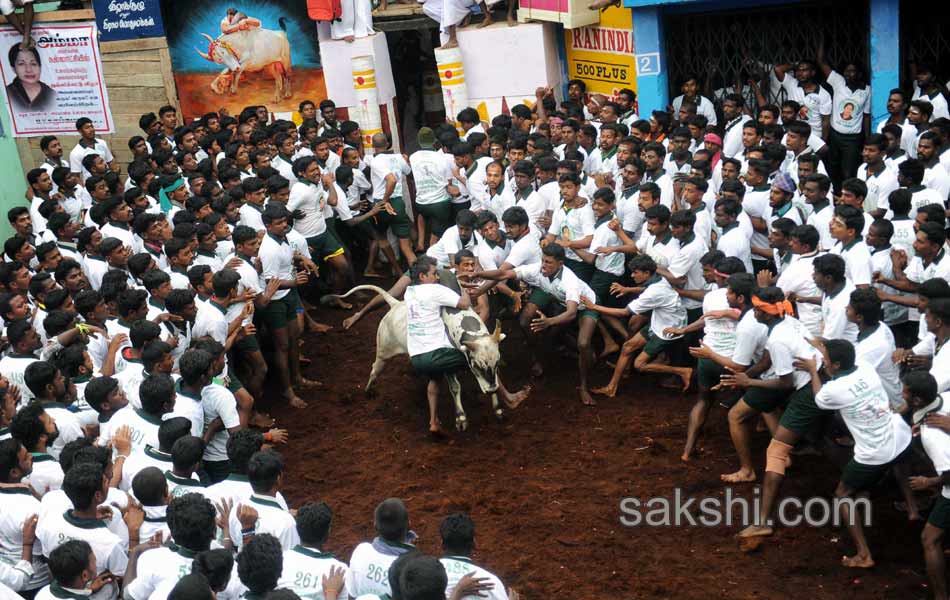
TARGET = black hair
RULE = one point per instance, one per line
(841, 352)
(313, 523)
(423, 579)
(194, 365)
(263, 470)
(241, 446)
(171, 430)
(642, 262)
(807, 234)
(392, 520)
(81, 483)
(921, 384)
(38, 375)
(260, 563)
(187, 452)
(216, 566)
(191, 521)
(150, 486)
(193, 586)
(68, 560)
(830, 265)
(154, 392)
(142, 332)
(458, 534)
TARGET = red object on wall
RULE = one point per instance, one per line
(324, 10)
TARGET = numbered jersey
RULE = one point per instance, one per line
(369, 569)
(303, 572)
(158, 566)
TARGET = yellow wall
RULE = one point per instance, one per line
(602, 55)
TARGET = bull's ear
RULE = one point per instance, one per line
(497, 334)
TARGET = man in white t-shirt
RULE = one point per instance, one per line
(306, 565)
(850, 117)
(815, 101)
(430, 350)
(690, 89)
(19, 509)
(831, 278)
(432, 175)
(461, 236)
(846, 227)
(88, 144)
(931, 410)
(816, 189)
(386, 174)
(370, 561)
(881, 436)
(458, 541)
(880, 180)
(658, 299)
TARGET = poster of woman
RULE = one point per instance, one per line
(57, 81)
(231, 54)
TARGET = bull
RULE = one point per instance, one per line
(249, 51)
(467, 333)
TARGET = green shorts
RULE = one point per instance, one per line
(438, 215)
(708, 372)
(324, 246)
(801, 412)
(278, 313)
(580, 268)
(764, 400)
(858, 477)
(397, 223)
(600, 282)
(439, 362)
(655, 344)
(940, 513)
(549, 305)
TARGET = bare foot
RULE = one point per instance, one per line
(350, 321)
(436, 431)
(755, 531)
(511, 21)
(373, 275)
(296, 402)
(486, 21)
(857, 562)
(685, 458)
(739, 476)
(586, 398)
(449, 44)
(514, 400)
(610, 347)
(314, 327)
(339, 303)
(349, 38)
(608, 390)
(686, 376)
(466, 21)
(537, 370)
(308, 383)
(262, 420)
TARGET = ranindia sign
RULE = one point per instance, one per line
(603, 55)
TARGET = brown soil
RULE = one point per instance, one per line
(197, 97)
(545, 486)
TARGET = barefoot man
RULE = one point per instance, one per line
(657, 298)
(555, 301)
(881, 437)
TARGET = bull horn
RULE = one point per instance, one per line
(208, 37)
(203, 55)
(496, 335)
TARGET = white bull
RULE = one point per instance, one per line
(250, 51)
(467, 333)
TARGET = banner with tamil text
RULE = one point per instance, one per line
(55, 83)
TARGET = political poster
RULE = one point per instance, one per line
(58, 81)
(128, 19)
(235, 53)
(603, 55)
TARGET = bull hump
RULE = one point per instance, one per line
(471, 324)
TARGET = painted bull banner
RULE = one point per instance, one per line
(231, 54)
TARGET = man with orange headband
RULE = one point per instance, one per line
(781, 384)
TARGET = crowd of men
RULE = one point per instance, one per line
(792, 266)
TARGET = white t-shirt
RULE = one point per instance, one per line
(304, 569)
(821, 220)
(383, 165)
(849, 106)
(217, 401)
(451, 243)
(277, 261)
(431, 173)
(524, 251)
(880, 187)
(572, 224)
(457, 567)
(815, 104)
(936, 441)
(272, 518)
(857, 260)
(18, 505)
(426, 330)
(834, 315)
(719, 334)
(751, 337)
(110, 554)
(704, 107)
(605, 237)
(369, 568)
(875, 347)
(735, 242)
(80, 152)
(788, 341)
(311, 200)
(686, 262)
(666, 306)
(565, 286)
(880, 435)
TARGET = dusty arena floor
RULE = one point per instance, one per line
(545, 486)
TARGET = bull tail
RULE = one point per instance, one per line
(386, 295)
(283, 23)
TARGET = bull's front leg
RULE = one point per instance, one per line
(496, 407)
(455, 389)
(237, 77)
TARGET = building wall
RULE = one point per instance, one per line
(138, 74)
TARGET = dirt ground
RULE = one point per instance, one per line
(197, 97)
(545, 486)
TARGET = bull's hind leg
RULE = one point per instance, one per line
(378, 365)
(455, 389)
